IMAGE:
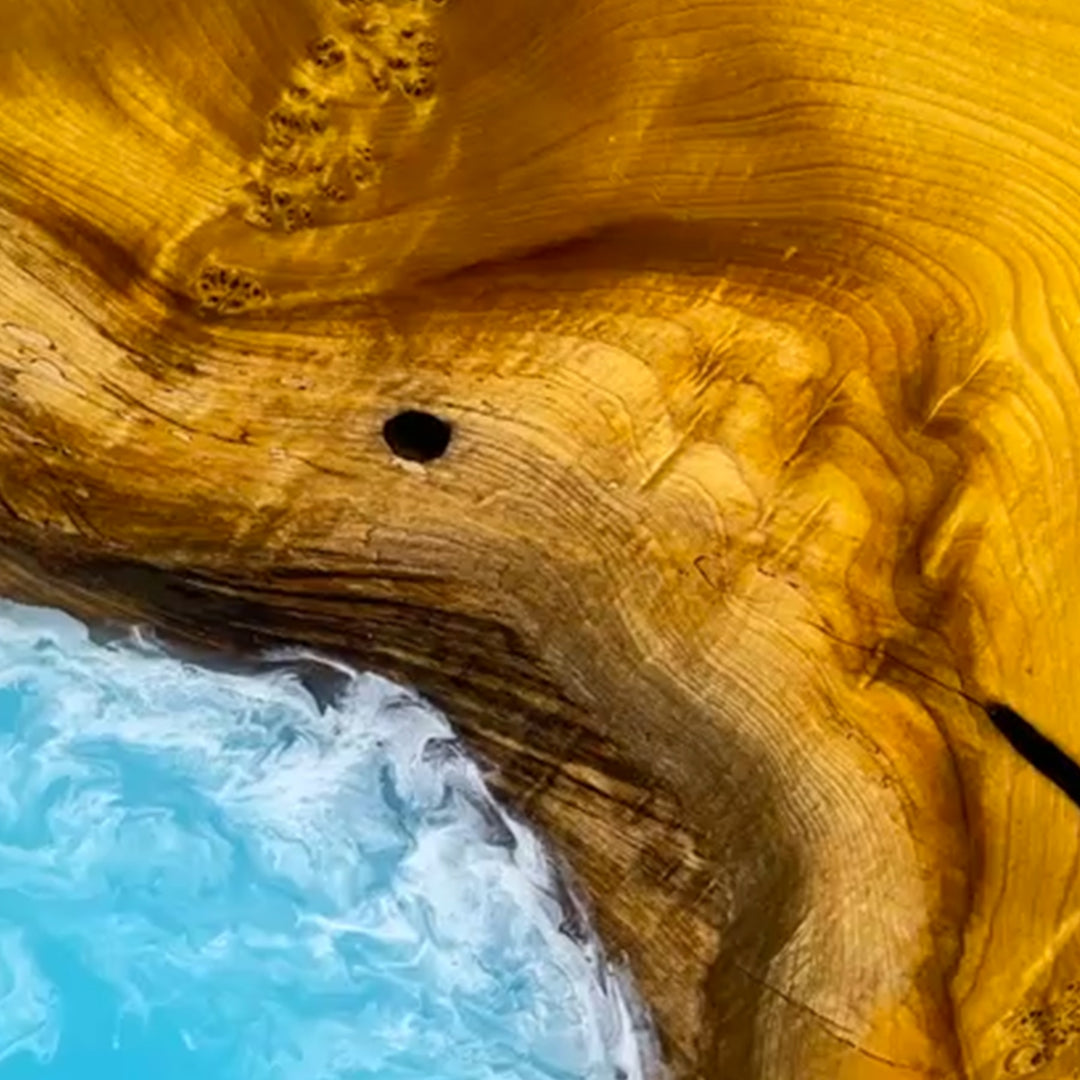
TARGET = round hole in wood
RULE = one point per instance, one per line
(417, 436)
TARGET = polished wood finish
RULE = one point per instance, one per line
(758, 327)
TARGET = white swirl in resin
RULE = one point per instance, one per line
(202, 874)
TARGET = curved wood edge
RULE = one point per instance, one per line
(759, 346)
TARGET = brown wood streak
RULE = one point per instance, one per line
(834, 1029)
(759, 339)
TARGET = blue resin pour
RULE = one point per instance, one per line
(202, 875)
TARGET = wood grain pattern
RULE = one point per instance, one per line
(757, 323)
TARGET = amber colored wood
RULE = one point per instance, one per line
(758, 323)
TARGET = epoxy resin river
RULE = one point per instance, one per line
(205, 875)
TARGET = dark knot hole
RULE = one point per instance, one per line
(417, 436)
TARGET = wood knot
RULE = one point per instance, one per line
(227, 290)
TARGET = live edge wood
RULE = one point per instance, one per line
(758, 326)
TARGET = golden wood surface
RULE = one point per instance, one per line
(758, 326)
